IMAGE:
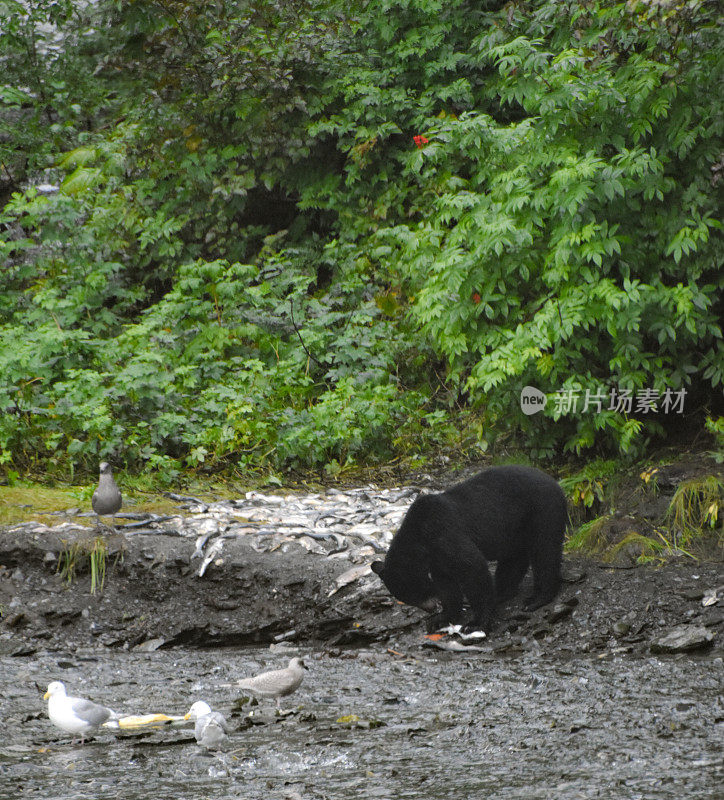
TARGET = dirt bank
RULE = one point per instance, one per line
(153, 598)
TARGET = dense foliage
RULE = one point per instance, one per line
(318, 233)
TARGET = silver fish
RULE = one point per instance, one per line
(213, 552)
(349, 576)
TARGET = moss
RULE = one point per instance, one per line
(37, 503)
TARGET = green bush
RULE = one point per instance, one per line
(253, 261)
(571, 234)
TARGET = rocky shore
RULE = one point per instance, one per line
(294, 568)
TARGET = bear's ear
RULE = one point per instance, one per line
(378, 567)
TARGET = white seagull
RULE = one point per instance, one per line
(277, 683)
(75, 715)
(210, 729)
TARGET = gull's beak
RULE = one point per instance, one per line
(46, 695)
(187, 716)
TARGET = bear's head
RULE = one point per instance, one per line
(414, 586)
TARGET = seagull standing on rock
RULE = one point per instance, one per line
(107, 497)
(278, 683)
(211, 728)
(75, 715)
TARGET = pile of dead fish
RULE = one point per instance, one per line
(354, 524)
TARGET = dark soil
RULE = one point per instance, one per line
(152, 598)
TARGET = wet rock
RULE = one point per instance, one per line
(61, 617)
(561, 610)
(621, 628)
(577, 575)
(692, 594)
(683, 638)
(7, 646)
(223, 604)
(712, 596)
(712, 618)
(24, 651)
(149, 645)
(16, 620)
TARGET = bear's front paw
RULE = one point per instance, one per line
(475, 628)
(437, 621)
(476, 624)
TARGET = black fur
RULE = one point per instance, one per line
(513, 515)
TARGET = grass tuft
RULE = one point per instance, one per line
(648, 549)
(695, 509)
(590, 537)
(94, 552)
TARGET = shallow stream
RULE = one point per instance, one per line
(374, 724)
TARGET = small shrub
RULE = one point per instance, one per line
(588, 486)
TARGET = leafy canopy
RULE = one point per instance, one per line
(251, 261)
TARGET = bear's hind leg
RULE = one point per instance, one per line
(546, 552)
(546, 566)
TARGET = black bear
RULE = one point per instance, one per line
(510, 514)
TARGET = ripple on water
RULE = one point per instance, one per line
(432, 728)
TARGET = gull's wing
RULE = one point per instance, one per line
(90, 712)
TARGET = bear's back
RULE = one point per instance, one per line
(526, 487)
(503, 509)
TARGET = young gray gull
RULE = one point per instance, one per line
(107, 497)
(278, 683)
(75, 714)
(211, 728)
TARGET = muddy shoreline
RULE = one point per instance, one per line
(153, 598)
(613, 690)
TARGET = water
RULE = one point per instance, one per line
(429, 726)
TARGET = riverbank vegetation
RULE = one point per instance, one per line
(315, 235)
